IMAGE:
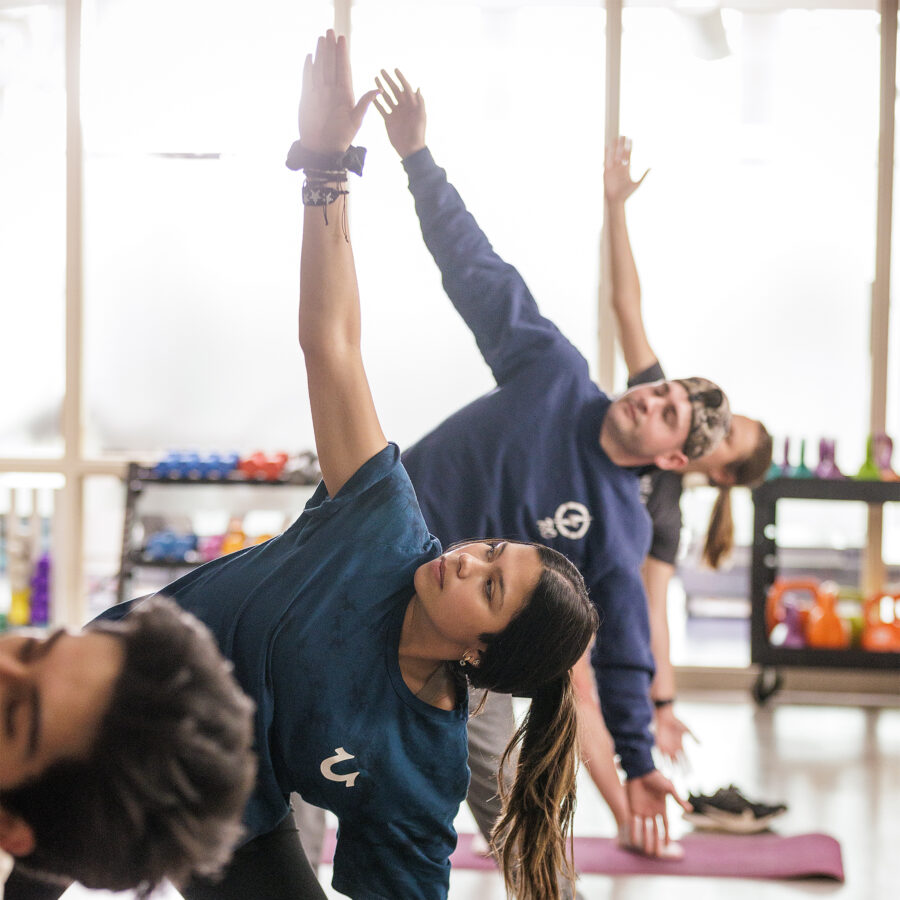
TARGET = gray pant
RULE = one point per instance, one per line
(489, 733)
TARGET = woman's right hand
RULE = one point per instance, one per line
(617, 182)
(329, 117)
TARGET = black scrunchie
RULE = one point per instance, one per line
(300, 158)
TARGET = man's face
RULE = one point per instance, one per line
(54, 692)
(651, 422)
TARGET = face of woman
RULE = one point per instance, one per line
(737, 445)
(477, 588)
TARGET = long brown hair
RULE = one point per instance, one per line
(532, 657)
(749, 471)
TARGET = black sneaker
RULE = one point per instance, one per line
(729, 810)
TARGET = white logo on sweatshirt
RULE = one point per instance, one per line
(340, 755)
(571, 520)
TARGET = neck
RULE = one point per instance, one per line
(421, 649)
(617, 453)
(422, 655)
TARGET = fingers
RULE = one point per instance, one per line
(361, 106)
(398, 93)
(406, 85)
(635, 836)
(377, 103)
(342, 77)
(385, 95)
(681, 801)
(318, 66)
(307, 74)
(651, 836)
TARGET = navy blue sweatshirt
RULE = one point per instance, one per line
(524, 461)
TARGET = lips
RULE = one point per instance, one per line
(439, 571)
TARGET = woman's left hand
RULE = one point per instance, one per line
(329, 117)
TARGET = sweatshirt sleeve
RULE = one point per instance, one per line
(487, 292)
(623, 666)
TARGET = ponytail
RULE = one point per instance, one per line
(749, 471)
(530, 837)
(533, 657)
(720, 534)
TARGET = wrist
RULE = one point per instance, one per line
(409, 150)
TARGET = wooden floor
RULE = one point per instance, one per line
(837, 767)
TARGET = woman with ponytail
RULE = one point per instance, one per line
(742, 458)
(355, 634)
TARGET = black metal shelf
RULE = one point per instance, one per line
(138, 478)
(764, 568)
(876, 492)
(136, 559)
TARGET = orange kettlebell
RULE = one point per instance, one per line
(775, 600)
(824, 628)
(881, 628)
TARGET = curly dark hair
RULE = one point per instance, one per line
(162, 792)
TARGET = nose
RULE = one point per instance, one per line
(467, 564)
(652, 402)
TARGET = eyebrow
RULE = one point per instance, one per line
(34, 700)
(498, 551)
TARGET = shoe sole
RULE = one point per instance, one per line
(713, 820)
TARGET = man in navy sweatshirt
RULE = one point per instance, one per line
(547, 456)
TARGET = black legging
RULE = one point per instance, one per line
(272, 866)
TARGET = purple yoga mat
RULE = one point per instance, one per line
(720, 855)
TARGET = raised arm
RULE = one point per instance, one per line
(626, 286)
(346, 425)
(487, 292)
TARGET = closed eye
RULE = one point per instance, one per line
(9, 718)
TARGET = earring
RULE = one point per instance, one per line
(470, 660)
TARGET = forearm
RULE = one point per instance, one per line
(626, 291)
(623, 666)
(487, 292)
(345, 423)
(656, 575)
(329, 318)
(595, 743)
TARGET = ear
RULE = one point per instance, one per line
(721, 477)
(473, 657)
(675, 461)
(16, 837)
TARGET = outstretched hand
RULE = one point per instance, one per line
(670, 734)
(647, 803)
(617, 182)
(329, 117)
(403, 111)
